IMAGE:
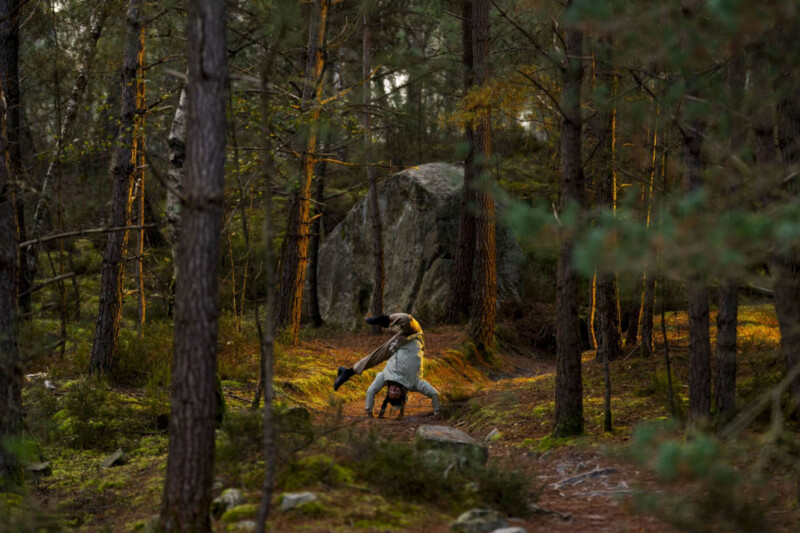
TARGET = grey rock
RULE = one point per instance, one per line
(217, 485)
(420, 209)
(153, 524)
(492, 436)
(115, 459)
(450, 445)
(226, 501)
(293, 499)
(479, 521)
(510, 530)
(40, 469)
(244, 525)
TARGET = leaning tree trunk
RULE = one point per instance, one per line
(484, 308)
(376, 305)
(294, 253)
(569, 389)
(42, 218)
(727, 310)
(10, 361)
(190, 463)
(459, 300)
(104, 347)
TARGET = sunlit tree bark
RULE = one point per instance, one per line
(294, 253)
(104, 346)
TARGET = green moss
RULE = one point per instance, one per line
(241, 512)
(314, 470)
(313, 509)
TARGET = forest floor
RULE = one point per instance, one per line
(646, 477)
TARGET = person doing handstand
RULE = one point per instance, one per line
(403, 354)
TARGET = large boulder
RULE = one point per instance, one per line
(420, 209)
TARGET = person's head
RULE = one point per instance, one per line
(396, 394)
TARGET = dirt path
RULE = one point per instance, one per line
(581, 489)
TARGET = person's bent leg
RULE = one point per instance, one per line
(379, 355)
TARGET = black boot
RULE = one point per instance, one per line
(344, 375)
(382, 321)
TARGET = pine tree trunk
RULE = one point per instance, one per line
(648, 313)
(603, 128)
(190, 464)
(104, 346)
(484, 308)
(268, 337)
(294, 253)
(10, 362)
(697, 291)
(569, 389)
(785, 261)
(141, 108)
(727, 309)
(376, 305)
(459, 300)
(633, 310)
(9, 59)
(649, 288)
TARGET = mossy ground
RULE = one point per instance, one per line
(81, 495)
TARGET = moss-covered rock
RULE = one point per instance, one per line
(241, 512)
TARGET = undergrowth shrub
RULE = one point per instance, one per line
(658, 386)
(240, 440)
(709, 493)
(147, 358)
(20, 515)
(94, 417)
(400, 470)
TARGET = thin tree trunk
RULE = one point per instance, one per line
(10, 361)
(141, 106)
(649, 288)
(267, 339)
(294, 253)
(376, 305)
(459, 300)
(175, 178)
(569, 389)
(190, 463)
(104, 347)
(316, 237)
(484, 308)
(727, 310)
